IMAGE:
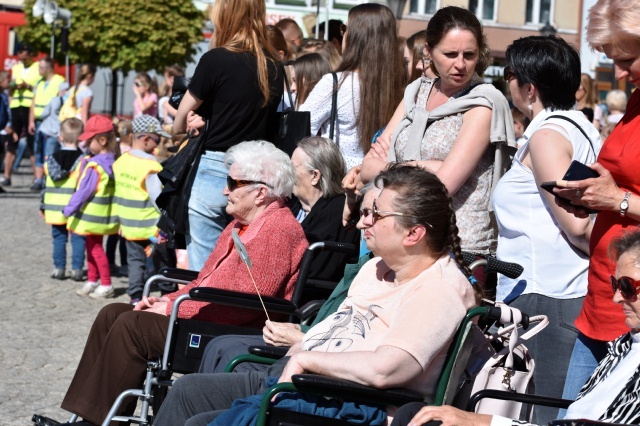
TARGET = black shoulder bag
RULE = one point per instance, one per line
(334, 106)
(292, 125)
(177, 175)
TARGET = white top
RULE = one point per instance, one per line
(527, 231)
(595, 403)
(348, 103)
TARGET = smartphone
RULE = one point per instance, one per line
(576, 171)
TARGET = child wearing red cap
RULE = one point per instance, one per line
(90, 208)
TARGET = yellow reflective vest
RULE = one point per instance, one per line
(58, 193)
(45, 92)
(96, 217)
(136, 213)
(24, 97)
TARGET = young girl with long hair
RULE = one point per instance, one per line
(370, 83)
(236, 87)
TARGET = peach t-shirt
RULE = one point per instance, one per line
(419, 317)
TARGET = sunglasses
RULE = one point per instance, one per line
(232, 183)
(382, 214)
(628, 286)
(508, 74)
(155, 139)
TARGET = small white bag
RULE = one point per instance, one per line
(510, 369)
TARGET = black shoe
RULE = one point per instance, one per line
(44, 421)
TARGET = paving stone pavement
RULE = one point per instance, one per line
(43, 323)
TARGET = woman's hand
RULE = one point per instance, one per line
(599, 193)
(194, 123)
(281, 333)
(352, 185)
(153, 304)
(380, 149)
(449, 416)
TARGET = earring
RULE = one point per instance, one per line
(530, 106)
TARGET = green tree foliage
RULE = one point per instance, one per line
(123, 35)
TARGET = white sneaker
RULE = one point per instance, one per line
(102, 292)
(87, 288)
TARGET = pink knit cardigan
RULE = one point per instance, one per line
(275, 243)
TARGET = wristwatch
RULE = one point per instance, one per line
(624, 204)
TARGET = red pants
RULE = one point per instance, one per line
(97, 263)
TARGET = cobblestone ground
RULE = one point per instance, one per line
(43, 323)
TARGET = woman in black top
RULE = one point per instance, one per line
(236, 87)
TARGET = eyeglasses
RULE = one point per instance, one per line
(343, 30)
(232, 183)
(155, 139)
(508, 74)
(628, 286)
(365, 212)
(381, 214)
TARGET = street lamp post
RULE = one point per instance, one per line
(548, 30)
(51, 14)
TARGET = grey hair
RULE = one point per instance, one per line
(324, 156)
(262, 161)
(627, 242)
(367, 187)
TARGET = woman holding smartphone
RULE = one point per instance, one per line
(551, 244)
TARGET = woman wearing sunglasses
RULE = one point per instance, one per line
(123, 337)
(551, 245)
(611, 393)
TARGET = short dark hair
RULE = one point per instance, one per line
(549, 63)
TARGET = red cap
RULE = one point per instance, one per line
(96, 125)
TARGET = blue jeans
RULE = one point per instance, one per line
(60, 237)
(207, 215)
(586, 355)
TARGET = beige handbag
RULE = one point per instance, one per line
(510, 369)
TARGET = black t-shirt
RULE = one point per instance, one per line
(228, 84)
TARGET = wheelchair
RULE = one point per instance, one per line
(187, 339)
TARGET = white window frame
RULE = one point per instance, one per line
(422, 4)
(535, 13)
(480, 15)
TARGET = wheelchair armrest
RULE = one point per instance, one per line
(179, 274)
(242, 300)
(337, 247)
(346, 389)
(310, 308)
(518, 397)
(273, 352)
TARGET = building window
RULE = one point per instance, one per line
(483, 9)
(423, 7)
(538, 11)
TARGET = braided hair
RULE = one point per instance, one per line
(424, 200)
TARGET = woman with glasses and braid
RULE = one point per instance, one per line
(124, 337)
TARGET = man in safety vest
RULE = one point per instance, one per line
(24, 76)
(137, 187)
(45, 90)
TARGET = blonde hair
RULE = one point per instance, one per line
(240, 27)
(71, 129)
(609, 21)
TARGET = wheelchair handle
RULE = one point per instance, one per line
(495, 314)
(493, 265)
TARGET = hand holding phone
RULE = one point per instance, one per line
(576, 171)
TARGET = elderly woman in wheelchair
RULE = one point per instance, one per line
(124, 337)
(611, 394)
(396, 324)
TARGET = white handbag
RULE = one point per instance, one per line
(510, 369)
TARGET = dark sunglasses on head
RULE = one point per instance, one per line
(239, 183)
(508, 74)
(628, 286)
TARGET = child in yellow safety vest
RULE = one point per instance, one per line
(90, 209)
(137, 187)
(62, 170)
